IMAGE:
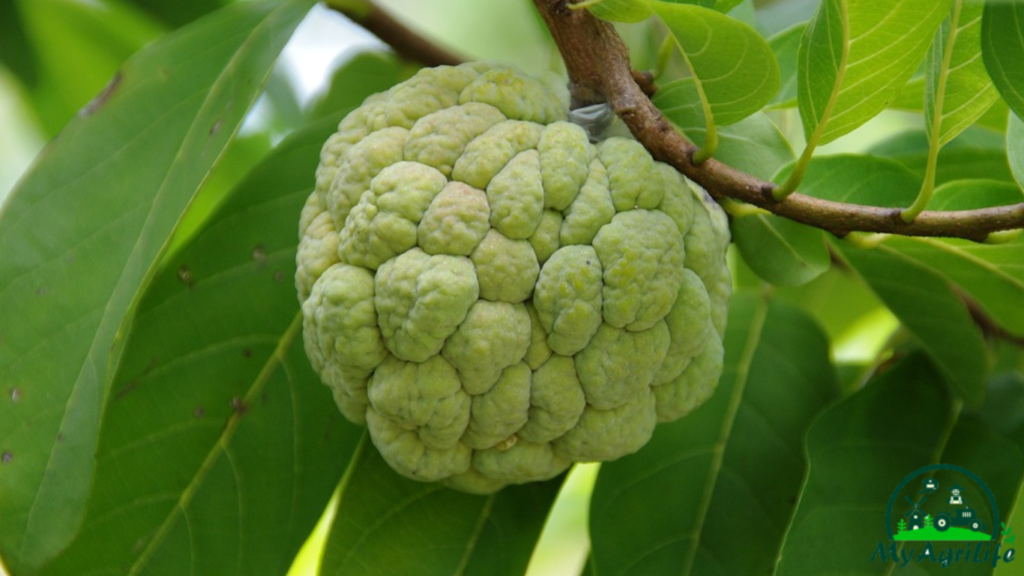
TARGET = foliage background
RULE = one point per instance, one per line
(216, 450)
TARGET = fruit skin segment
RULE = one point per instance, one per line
(495, 296)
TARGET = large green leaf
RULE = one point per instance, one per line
(927, 305)
(992, 274)
(80, 236)
(859, 451)
(388, 524)
(859, 179)
(1002, 46)
(724, 479)
(219, 447)
(732, 65)
(973, 154)
(957, 89)
(179, 12)
(781, 251)
(856, 55)
(754, 145)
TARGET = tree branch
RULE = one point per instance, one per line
(599, 71)
(597, 61)
(405, 42)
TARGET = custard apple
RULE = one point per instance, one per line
(495, 296)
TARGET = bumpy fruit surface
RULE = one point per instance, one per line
(495, 296)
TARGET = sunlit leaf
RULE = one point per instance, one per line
(927, 305)
(734, 68)
(389, 524)
(781, 251)
(1002, 46)
(957, 86)
(80, 236)
(241, 445)
(893, 426)
(674, 507)
(855, 57)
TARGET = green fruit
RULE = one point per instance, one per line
(495, 296)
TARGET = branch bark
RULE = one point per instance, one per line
(599, 71)
(597, 62)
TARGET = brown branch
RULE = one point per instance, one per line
(597, 61)
(599, 71)
(405, 42)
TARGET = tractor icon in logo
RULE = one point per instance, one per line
(920, 511)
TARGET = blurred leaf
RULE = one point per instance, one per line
(855, 57)
(16, 51)
(859, 179)
(911, 96)
(1002, 47)
(80, 236)
(957, 86)
(732, 65)
(220, 447)
(389, 524)
(724, 478)
(819, 296)
(783, 252)
(973, 154)
(99, 36)
(928, 307)
(753, 145)
(1015, 148)
(786, 45)
(859, 451)
(179, 12)
(364, 74)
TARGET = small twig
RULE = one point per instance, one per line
(405, 42)
(599, 71)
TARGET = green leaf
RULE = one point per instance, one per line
(677, 506)
(958, 90)
(973, 154)
(1015, 148)
(179, 12)
(621, 10)
(855, 57)
(783, 252)
(991, 274)
(859, 179)
(1002, 47)
(754, 145)
(16, 51)
(734, 68)
(101, 37)
(859, 452)
(928, 307)
(80, 236)
(786, 45)
(389, 524)
(217, 430)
